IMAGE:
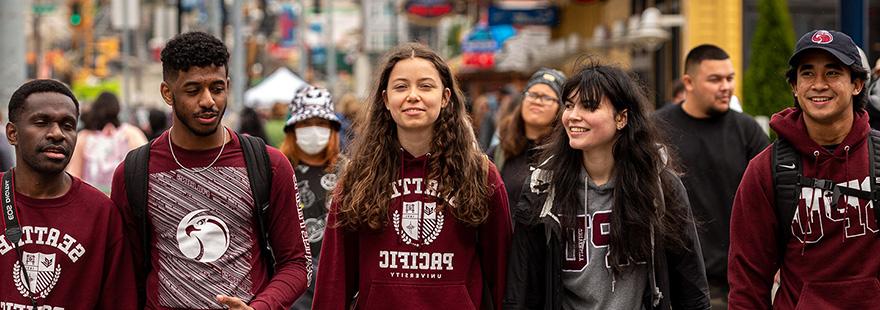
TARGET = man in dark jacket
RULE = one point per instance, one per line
(823, 247)
(714, 145)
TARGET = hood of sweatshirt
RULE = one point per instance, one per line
(790, 125)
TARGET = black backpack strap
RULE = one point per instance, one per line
(786, 172)
(874, 171)
(137, 174)
(259, 170)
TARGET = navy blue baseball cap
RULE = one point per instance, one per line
(837, 43)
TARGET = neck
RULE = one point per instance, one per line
(38, 185)
(690, 108)
(599, 164)
(831, 133)
(417, 143)
(535, 133)
(313, 160)
(182, 137)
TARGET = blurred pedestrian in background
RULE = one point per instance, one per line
(103, 143)
(250, 123)
(531, 122)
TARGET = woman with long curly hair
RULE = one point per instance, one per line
(606, 223)
(419, 218)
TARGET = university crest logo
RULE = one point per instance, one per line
(42, 271)
(420, 223)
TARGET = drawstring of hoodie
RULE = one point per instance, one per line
(846, 177)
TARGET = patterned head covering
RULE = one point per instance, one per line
(311, 102)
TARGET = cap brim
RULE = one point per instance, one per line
(840, 56)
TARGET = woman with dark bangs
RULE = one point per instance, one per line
(605, 222)
(419, 218)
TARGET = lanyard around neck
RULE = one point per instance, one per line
(13, 229)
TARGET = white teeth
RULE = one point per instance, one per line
(820, 99)
(579, 129)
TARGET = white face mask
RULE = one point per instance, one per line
(313, 139)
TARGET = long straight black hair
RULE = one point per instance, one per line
(638, 163)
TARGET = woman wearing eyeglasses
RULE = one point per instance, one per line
(531, 121)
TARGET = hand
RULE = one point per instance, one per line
(233, 303)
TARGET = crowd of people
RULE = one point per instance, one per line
(572, 193)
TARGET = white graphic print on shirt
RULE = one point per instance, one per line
(203, 235)
(816, 207)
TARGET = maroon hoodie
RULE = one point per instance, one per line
(830, 261)
(421, 259)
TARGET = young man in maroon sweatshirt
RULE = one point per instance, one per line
(204, 251)
(71, 252)
(828, 259)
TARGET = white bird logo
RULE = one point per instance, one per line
(202, 238)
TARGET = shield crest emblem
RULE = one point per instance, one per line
(42, 274)
(419, 223)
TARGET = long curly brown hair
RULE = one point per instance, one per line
(455, 161)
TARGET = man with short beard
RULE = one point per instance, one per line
(62, 245)
(202, 224)
(715, 145)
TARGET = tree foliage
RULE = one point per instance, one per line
(766, 91)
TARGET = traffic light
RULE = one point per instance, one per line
(76, 13)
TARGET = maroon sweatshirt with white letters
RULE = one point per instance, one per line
(422, 259)
(830, 260)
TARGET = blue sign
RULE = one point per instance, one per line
(548, 16)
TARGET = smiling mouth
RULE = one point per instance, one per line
(820, 99)
(578, 129)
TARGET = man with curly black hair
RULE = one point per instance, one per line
(202, 228)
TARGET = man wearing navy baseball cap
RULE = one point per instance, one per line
(804, 206)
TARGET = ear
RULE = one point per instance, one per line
(11, 134)
(621, 119)
(859, 86)
(447, 93)
(688, 82)
(385, 100)
(167, 95)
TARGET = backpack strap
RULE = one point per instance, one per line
(786, 171)
(137, 185)
(137, 174)
(874, 160)
(259, 170)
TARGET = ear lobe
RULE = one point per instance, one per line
(446, 95)
(11, 134)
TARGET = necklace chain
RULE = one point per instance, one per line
(171, 146)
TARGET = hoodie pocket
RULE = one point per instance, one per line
(397, 296)
(851, 294)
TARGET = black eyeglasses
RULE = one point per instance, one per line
(541, 98)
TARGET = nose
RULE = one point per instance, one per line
(726, 84)
(206, 99)
(413, 96)
(54, 132)
(819, 83)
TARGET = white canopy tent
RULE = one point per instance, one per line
(280, 86)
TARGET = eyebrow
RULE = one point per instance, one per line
(418, 80)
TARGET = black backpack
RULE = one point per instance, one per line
(259, 170)
(788, 180)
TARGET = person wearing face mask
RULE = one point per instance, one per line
(311, 143)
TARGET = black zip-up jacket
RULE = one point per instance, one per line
(534, 270)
